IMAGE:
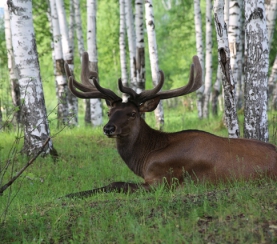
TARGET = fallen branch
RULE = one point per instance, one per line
(4, 187)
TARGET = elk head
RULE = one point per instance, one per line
(124, 117)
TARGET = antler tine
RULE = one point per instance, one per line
(87, 90)
(92, 93)
(86, 74)
(126, 90)
(195, 82)
(145, 95)
(148, 94)
(110, 95)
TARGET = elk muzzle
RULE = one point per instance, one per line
(109, 130)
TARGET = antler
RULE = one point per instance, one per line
(87, 90)
(195, 82)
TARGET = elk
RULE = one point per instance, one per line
(157, 156)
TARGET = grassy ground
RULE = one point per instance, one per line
(238, 212)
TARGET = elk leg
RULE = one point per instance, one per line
(117, 187)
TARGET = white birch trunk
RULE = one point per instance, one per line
(81, 49)
(71, 25)
(200, 53)
(272, 83)
(271, 14)
(256, 69)
(95, 104)
(79, 28)
(208, 59)
(34, 116)
(68, 57)
(224, 61)
(274, 97)
(131, 41)
(216, 91)
(11, 66)
(61, 82)
(153, 55)
(122, 48)
(226, 12)
(234, 37)
(140, 50)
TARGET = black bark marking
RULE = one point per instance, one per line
(218, 26)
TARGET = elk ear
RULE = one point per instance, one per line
(149, 105)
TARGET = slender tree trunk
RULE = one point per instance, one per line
(95, 104)
(200, 54)
(140, 50)
(234, 36)
(224, 61)
(34, 117)
(131, 42)
(153, 54)
(274, 98)
(216, 91)
(71, 24)
(68, 57)
(61, 83)
(122, 47)
(271, 14)
(208, 59)
(226, 12)
(272, 84)
(11, 66)
(256, 69)
(79, 28)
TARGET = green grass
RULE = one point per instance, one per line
(237, 212)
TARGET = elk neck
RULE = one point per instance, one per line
(136, 147)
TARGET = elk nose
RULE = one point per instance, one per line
(109, 129)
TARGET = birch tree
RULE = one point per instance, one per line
(274, 95)
(272, 80)
(34, 117)
(71, 28)
(153, 55)
(61, 82)
(95, 104)
(256, 69)
(140, 50)
(200, 53)
(68, 57)
(216, 91)
(122, 47)
(78, 27)
(131, 41)
(227, 77)
(226, 12)
(271, 14)
(15, 91)
(234, 37)
(208, 59)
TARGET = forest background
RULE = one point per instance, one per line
(175, 33)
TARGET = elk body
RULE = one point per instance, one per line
(157, 156)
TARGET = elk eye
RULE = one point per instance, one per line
(133, 114)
